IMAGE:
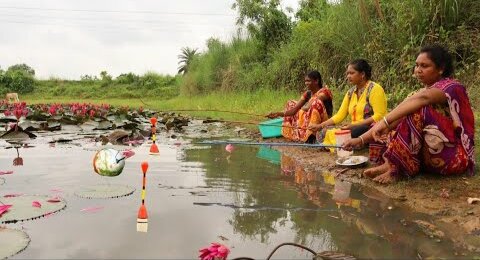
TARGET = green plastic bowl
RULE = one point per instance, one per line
(271, 128)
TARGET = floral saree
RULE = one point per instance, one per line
(436, 140)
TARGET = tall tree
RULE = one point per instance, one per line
(265, 20)
(186, 56)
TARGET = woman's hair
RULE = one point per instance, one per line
(362, 65)
(441, 57)
(315, 75)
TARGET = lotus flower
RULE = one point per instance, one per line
(5, 172)
(36, 204)
(229, 148)
(214, 251)
(4, 208)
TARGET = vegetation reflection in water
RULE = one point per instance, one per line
(322, 211)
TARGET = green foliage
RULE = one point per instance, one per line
(22, 67)
(328, 35)
(18, 78)
(127, 78)
(186, 56)
(265, 21)
(128, 85)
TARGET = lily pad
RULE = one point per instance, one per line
(105, 191)
(104, 125)
(12, 242)
(23, 210)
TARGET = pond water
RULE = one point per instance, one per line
(251, 200)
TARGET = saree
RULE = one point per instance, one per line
(434, 139)
(295, 127)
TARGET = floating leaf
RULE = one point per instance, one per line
(12, 242)
(104, 191)
(22, 208)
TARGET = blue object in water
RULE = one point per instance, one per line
(268, 154)
(271, 128)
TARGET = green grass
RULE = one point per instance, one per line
(260, 102)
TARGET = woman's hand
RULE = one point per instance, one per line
(315, 127)
(274, 115)
(352, 143)
(380, 131)
(347, 127)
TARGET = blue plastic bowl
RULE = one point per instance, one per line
(271, 128)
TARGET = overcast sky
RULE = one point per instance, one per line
(70, 38)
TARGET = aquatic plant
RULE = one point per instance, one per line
(214, 251)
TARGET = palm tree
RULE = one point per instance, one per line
(186, 58)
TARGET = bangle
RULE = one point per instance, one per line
(363, 141)
(386, 122)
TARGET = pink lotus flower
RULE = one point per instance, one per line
(229, 148)
(7, 113)
(214, 251)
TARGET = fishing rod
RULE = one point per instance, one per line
(221, 142)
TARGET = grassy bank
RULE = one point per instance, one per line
(258, 102)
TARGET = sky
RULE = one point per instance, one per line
(69, 38)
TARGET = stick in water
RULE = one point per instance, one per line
(142, 218)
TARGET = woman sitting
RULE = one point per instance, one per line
(314, 107)
(434, 128)
(366, 104)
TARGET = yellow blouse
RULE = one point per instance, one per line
(355, 106)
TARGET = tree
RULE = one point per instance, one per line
(264, 20)
(105, 78)
(22, 67)
(18, 81)
(186, 58)
(312, 10)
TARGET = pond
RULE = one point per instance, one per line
(250, 199)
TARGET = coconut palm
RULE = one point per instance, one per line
(186, 58)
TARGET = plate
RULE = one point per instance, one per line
(352, 160)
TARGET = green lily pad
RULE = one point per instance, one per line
(105, 191)
(23, 210)
(12, 242)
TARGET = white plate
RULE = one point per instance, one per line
(352, 160)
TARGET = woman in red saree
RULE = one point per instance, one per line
(434, 128)
(314, 107)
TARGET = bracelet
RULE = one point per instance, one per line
(363, 141)
(386, 122)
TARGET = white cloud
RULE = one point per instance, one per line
(69, 38)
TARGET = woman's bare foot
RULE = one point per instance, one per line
(375, 171)
(385, 178)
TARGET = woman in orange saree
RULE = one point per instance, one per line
(314, 107)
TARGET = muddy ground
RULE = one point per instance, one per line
(443, 198)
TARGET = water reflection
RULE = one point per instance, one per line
(330, 214)
(18, 161)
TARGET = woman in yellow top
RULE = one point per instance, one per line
(366, 103)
